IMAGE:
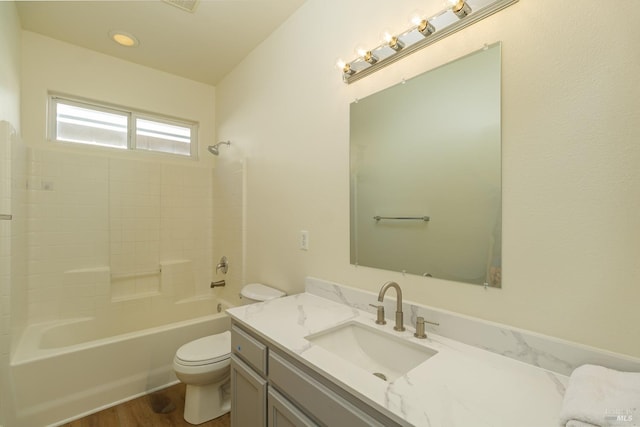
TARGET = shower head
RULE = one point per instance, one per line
(214, 149)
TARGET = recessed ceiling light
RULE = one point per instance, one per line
(124, 38)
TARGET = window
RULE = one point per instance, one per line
(154, 135)
(89, 123)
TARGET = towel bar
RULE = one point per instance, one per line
(410, 218)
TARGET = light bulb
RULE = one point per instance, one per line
(370, 57)
(390, 40)
(395, 44)
(416, 17)
(344, 67)
(386, 36)
(361, 51)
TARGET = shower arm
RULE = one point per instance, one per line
(215, 148)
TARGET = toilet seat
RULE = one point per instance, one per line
(205, 351)
(260, 292)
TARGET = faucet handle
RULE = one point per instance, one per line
(420, 328)
(223, 265)
(380, 312)
(420, 333)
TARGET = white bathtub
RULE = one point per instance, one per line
(60, 372)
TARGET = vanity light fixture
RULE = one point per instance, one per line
(425, 31)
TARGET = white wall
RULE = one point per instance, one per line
(571, 184)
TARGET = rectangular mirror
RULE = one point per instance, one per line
(426, 173)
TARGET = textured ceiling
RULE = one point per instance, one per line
(202, 46)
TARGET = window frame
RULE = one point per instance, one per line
(132, 115)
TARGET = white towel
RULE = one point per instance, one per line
(599, 397)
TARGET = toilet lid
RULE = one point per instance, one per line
(260, 292)
(210, 349)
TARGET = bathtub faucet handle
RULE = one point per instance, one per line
(223, 265)
(218, 283)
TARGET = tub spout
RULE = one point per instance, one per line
(218, 283)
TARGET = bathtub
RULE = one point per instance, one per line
(60, 372)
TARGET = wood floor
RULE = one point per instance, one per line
(162, 408)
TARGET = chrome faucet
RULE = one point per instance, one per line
(399, 316)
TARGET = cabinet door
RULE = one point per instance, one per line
(317, 400)
(283, 413)
(248, 396)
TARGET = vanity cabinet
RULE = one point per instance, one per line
(283, 413)
(248, 380)
(248, 396)
(270, 388)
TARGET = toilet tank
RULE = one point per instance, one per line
(257, 292)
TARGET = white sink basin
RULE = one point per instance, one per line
(378, 352)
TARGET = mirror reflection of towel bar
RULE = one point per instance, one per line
(410, 218)
(6, 217)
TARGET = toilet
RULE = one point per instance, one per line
(203, 365)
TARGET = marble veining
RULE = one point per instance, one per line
(301, 316)
(560, 386)
(535, 356)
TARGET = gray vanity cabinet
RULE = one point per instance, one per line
(283, 413)
(270, 388)
(248, 380)
(248, 396)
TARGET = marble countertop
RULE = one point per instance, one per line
(461, 385)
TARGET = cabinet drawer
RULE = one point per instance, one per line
(249, 350)
(320, 402)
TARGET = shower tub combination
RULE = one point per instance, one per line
(64, 370)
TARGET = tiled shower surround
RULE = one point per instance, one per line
(109, 234)
(12, 245)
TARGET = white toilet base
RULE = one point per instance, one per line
(206, 402)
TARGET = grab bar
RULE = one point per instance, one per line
(410, 218)
(136, 274)
(6, 217)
